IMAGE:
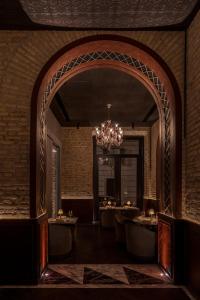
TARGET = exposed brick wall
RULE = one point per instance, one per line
(14, 154)
(22, 56)
(192, 141)
(77, 162)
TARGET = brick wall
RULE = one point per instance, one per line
(22, 56)
(14, 155)
(77, 162)
(192, 139)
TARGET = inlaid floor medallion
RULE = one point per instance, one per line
(104, 274)
(92, 276)
(52, 277)
(135, 277)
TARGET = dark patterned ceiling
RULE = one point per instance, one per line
(83, 99)
(108, 13)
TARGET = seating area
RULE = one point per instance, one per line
(109, 214)
(62, 235)
(138, 234)
(134, 233)
(141, 240)
(60, 240)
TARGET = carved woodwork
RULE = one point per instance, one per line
(125, 55)
(134, 63)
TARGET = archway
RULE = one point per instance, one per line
(138, 61)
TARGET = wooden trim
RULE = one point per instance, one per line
(175, 241)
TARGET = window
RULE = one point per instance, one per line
(118, 175)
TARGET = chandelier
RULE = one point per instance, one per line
(109, 134)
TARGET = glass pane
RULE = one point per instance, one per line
(129, 180)
(130, 147)
(106, 176)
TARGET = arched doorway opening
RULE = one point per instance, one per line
(134, 59)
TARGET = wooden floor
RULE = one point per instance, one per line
(95, 245)
(97, 269)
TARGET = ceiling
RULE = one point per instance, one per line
(82, 100)
(105, 14)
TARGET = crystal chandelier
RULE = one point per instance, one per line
(109, 134)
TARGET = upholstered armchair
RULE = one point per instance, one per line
(120, 236)
(60, 239)
(120, 219)
(141, 240)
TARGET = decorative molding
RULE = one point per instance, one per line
(145, 71)
(108, 14)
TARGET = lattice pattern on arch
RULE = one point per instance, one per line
(134, 63)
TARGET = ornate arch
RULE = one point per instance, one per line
(134, 59)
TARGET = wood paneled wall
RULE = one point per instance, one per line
(23, 251)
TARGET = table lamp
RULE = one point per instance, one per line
(60, 212)
(151, 213)
(109, 203)
(128, 203)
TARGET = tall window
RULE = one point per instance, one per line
(118, 175)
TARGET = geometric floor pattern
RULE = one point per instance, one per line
(104, 275)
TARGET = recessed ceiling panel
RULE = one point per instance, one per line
(85, 97)
(108, 14)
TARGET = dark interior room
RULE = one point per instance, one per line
(99, 156)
